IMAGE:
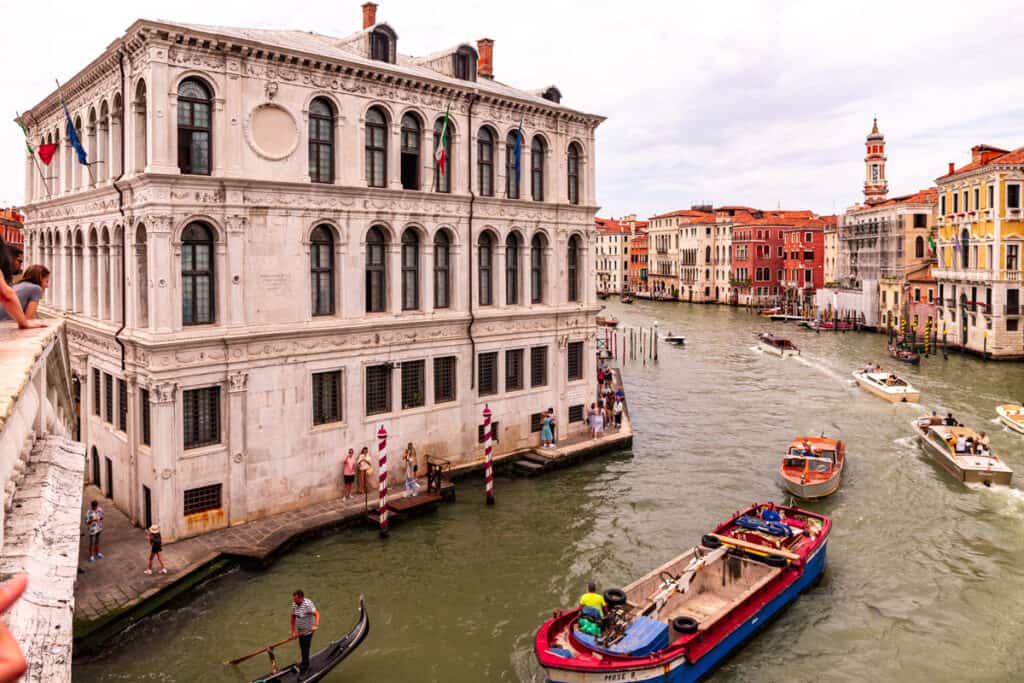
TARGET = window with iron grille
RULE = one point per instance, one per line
(122, 405)
(326, 397)
(514, 370)
(378, 389)
(444, 379)
(202, 499)
(97, 400)
(539, 366)
(414, 384)
(576, 413)
(575, 363)
(201, 416)
(144, 404)
(480, 432)
(536, 422)
(108, 398)
(487, 368)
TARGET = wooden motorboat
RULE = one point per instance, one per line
(678, 622)
(944, 444)
(602, 294)
(783, 348)
(676, 339)
(607, 320)
(1012, 415)
(626, 299)
(321, 663)
(813, 466)
(904, 354)
(828, 325)
(784, 317)
(888, 386)
(770, 311)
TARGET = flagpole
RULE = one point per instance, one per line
(39, 168)
(71, 123)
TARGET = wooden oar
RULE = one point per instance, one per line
(268, 647)
(755, 547)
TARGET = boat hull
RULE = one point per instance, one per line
(892, 395)
(818, 489)
(967, 475)
(1004, 417)
(776, 351)
(681, 671)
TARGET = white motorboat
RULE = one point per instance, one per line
(777, 346)
(887, 386)
(946, 446)
(1012, 415)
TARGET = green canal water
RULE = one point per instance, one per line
(925, 578)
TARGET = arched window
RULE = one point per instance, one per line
(444, 131)
(512, 269)
(376, 148)
(321, 270)
(410, 270)
(486, 259)
(919, 247)
(141, 278)
(380, 46)
(965, 256)
(321, 141)
(573, 171)
(194, 127)
(442, 269)
(538, 150)
(537, 245)
(707, 254)
(410, 152)
(197, 275)
(485, 162)
(376, 271)
(511, 167)
(574, 268)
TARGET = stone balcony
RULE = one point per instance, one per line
(42, 470)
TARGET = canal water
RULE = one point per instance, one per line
(925, 577)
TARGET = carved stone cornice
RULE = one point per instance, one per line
(238, 382)
(163, 392)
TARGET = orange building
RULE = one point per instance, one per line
(10, 226)
(638, 263)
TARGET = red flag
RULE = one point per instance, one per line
(46, 152)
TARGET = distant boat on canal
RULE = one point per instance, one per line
(1012, 415)
(816, 475)
(678, 622)
(778, 346)
(607, 320)
(888, 386)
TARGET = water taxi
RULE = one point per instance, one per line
(1011, 415)
(827, 325)
(949, 446)
(887, 386)
(813, 466)
(607, 320)
(778, 346)
(676, 339)
(904, 353)
(626, 299)
(678, 622)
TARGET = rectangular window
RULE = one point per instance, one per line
(920, 220)
(122, 405)
(782, 251)
(956, 202)
(1012, 324)
(444, 379)
(942, 205)
(108, 398)
(514, 370)
(487, 369)
(326, 397)
(575, 360)
(576, 413)
(808, 255)
(201, 416)
(931, 295)
(1012, 196)
(414, 384)
(967, 206)
(378, 389)
(895, 298)
(144, 415)
(539, 366)
(202, 499)
(917, 294)
(977, 198)
(97, 399)
(807, 237)
(991, 196)
(807, 276)
(480, 432)
(536, 422)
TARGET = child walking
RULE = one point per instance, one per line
(156, 547)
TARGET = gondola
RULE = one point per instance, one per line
(321, 663)
(627, 299)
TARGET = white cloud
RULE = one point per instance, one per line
(734, 102)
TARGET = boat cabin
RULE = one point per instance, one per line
(826, 454)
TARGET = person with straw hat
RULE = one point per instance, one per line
(156, 547)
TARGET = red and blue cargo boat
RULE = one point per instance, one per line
(675, 624)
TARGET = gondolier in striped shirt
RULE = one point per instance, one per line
(305, 620)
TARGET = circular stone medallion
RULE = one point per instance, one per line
(271, 131)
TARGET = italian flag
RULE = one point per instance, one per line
(441, 153)
(931, 244)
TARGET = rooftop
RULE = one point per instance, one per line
(987, 155)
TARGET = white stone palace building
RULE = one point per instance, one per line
(265, 264)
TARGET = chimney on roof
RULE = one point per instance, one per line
(951, 168)
(485, 66)
(369, 14)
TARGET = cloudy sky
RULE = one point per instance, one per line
(756, 103)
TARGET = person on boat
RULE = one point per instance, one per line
(593, 603)
(770, 514)
(951, 421)
(935, 419)
(984, 450)
(982, 440)
(961, 444)
(305, 620)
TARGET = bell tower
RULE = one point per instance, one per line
(876, 187)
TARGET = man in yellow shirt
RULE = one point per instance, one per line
(593, 600)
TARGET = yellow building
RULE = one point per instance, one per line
(981, 230)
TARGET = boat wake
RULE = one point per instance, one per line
(1012, 498)
(825, 370)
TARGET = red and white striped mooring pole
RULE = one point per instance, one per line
(488, 447)
(382, 481)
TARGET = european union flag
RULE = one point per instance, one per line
(518, 147)
(76, 144)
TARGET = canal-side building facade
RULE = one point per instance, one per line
(638, 263)
(611, 262)
(980, 220)
(270, 261)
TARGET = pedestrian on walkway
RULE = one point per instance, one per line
(364, 468)
(597, 423)
(618, 412)
(305, 620)
(547, 433)
(409, 459)
(94, 518)
(156, 547)
(348, 473)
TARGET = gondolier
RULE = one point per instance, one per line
(305, 620)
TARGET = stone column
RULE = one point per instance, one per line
(132, 436)
(103, 151)
(165, 432)
(237, 510)
(104, 284)
(554, 295)
(65, 163)
(498, 275)
(117, 283)
(393, 254)
(219, 129)
(234, 268)
(114, 146)
(394, 155)
(161, 263)
(162, 112)
(427, 277)
(67, 277)
(31, 179)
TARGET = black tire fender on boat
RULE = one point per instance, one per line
(685, 624)
(615, 597)
(775, 561)
(709, 541)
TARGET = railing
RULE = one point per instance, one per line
(1011, 309)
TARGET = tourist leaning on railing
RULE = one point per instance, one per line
(29, 290)
(8, 299)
